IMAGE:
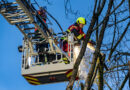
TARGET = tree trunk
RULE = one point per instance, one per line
(100, 72)
(96, 54)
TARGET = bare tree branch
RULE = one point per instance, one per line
(100, 8)
(124, 53)
(115, 67)
(114, 30)
(95, 7)
(109, 14)
(101, 27)
(88, 34)
(112, 50)
(90, 73)
(109, 25)
(55, 20)
(129, 5)
(123, 83)
(82, 51)
(107, 85)
(95, 73)
(97, 31)
(69, 10)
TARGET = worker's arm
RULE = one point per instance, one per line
(76, 34)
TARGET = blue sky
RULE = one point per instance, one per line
(10, 66)
(11, 38)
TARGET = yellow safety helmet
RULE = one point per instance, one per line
(81, 20)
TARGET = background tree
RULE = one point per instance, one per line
(109, 27)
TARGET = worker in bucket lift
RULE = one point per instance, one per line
(43, 46)
(43, 14)
(77, 30)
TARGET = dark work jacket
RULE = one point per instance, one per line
(78, 32)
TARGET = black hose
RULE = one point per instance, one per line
(55, 21)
